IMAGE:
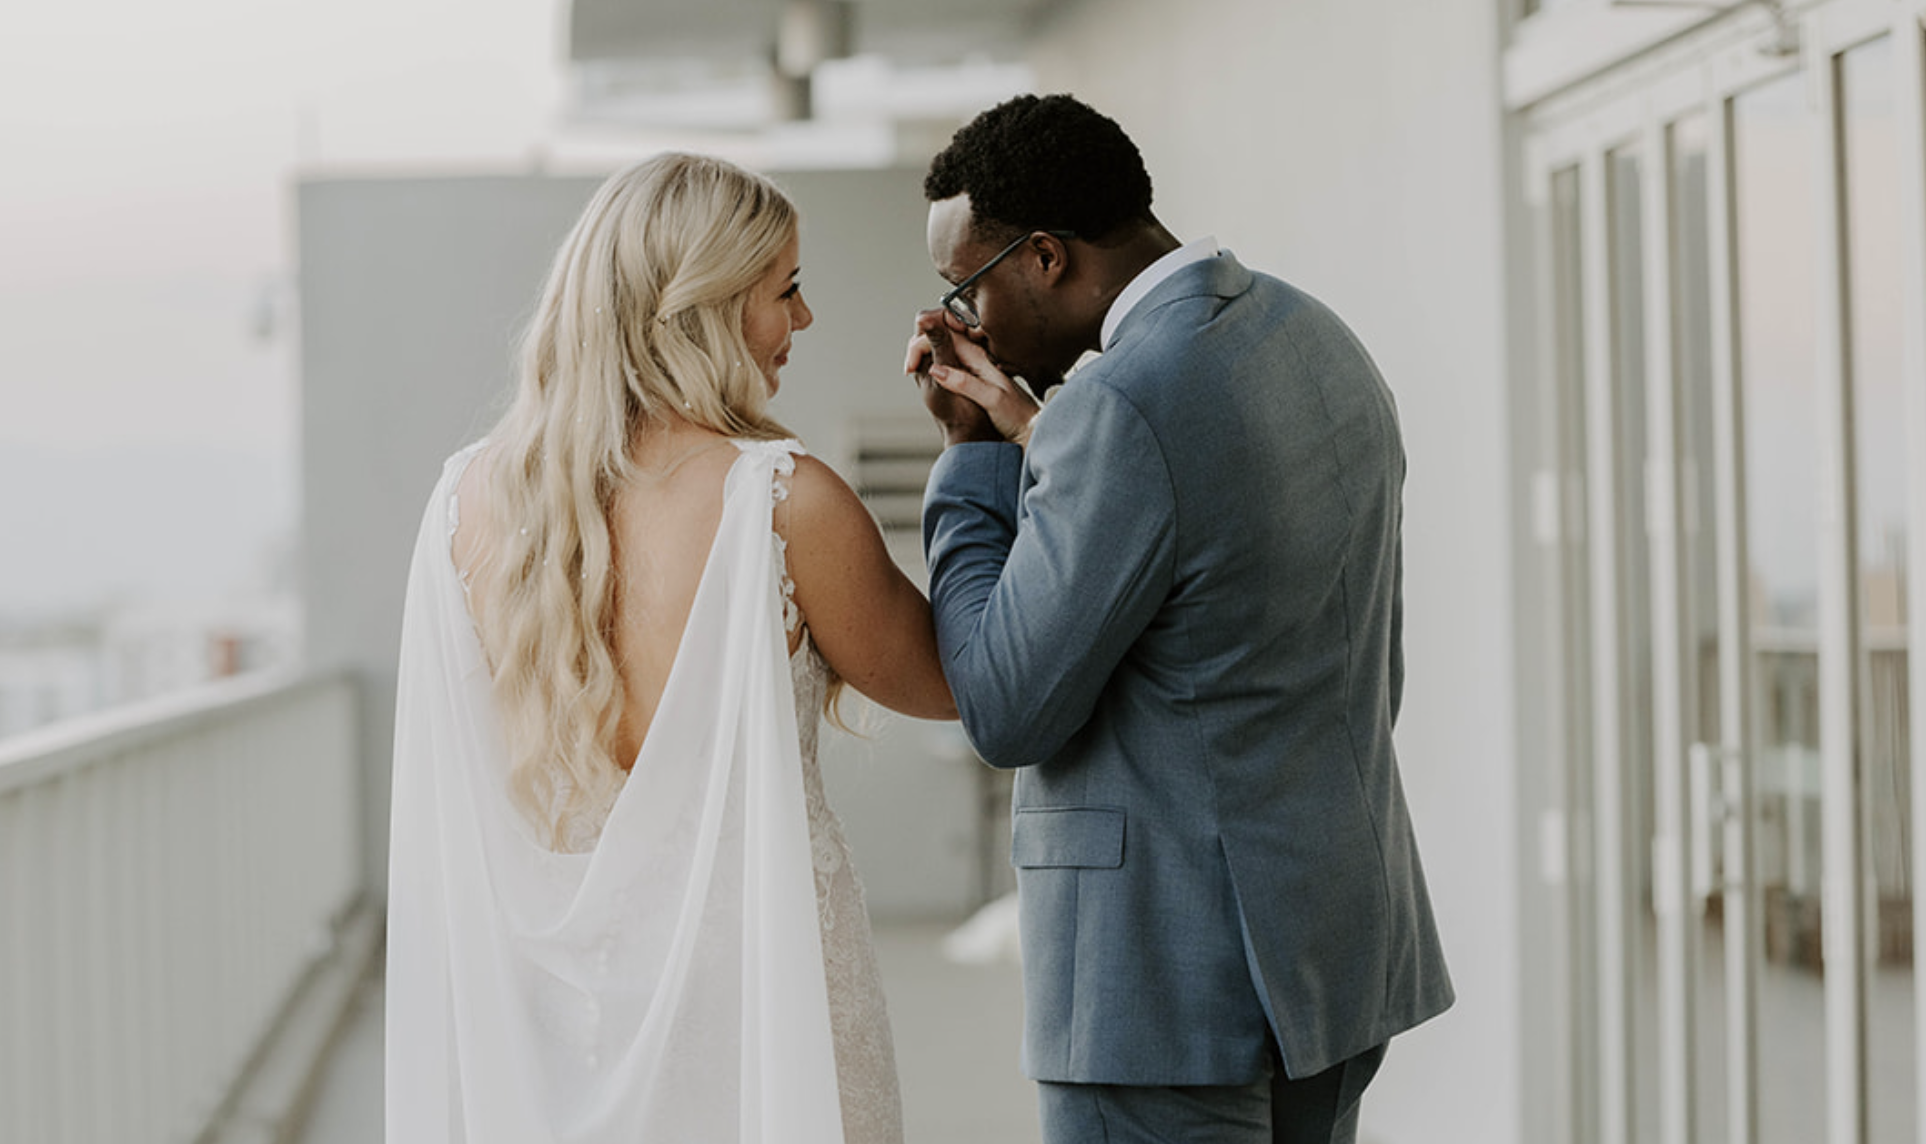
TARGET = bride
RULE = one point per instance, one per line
(619, 908)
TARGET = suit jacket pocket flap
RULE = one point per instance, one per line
(1079, 836)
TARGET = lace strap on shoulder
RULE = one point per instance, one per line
(784, 451)
(780, 478)
(791, 614)
(781, 456)
(451, 474)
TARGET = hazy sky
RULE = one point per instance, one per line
(147, 150)
(146, 158)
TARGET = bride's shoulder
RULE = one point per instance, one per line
(819, 494)
(803, 480)
(466, 473)
(462, 456)
(465, 476)
(467, 468)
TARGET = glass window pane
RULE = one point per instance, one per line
(1698, 608)
(1774, 145)
(1871, 201)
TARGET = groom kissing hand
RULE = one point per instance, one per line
(1171, 599)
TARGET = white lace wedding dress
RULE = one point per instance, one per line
(697, 965)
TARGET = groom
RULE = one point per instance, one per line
(1172, 600)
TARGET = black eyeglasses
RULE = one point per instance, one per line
(962, 307)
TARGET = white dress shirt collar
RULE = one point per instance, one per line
(1148, 280)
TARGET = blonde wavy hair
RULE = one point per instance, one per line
(641, 317)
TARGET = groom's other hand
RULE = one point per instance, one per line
(960, 418)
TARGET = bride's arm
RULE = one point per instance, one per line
(869, 621)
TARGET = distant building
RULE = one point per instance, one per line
(47, 677)
(64, 669)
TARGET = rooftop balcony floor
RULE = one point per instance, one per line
(957, 1028)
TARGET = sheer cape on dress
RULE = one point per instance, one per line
(665, 985)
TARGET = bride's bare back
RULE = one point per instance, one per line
(869, 622)
(662, 525)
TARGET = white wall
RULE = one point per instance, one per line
(414, 292)
(1356, 148)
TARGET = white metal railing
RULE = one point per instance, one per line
(168, 873)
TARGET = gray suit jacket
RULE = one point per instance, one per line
(1180, 614)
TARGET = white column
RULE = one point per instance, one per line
(1674, 904)
(1617, 928)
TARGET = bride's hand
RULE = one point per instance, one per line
(960, 418)
(979, 380)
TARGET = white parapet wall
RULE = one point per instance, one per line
(169, 875)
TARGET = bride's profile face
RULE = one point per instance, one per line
(775, 310)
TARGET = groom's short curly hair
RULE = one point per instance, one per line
(1044, 163)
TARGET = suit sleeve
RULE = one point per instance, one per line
(1033, 618)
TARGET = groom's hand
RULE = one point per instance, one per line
(960, 418)
(953, 370)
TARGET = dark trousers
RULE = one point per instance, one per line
(1320, 1109)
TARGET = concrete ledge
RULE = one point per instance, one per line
(272, 1097)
